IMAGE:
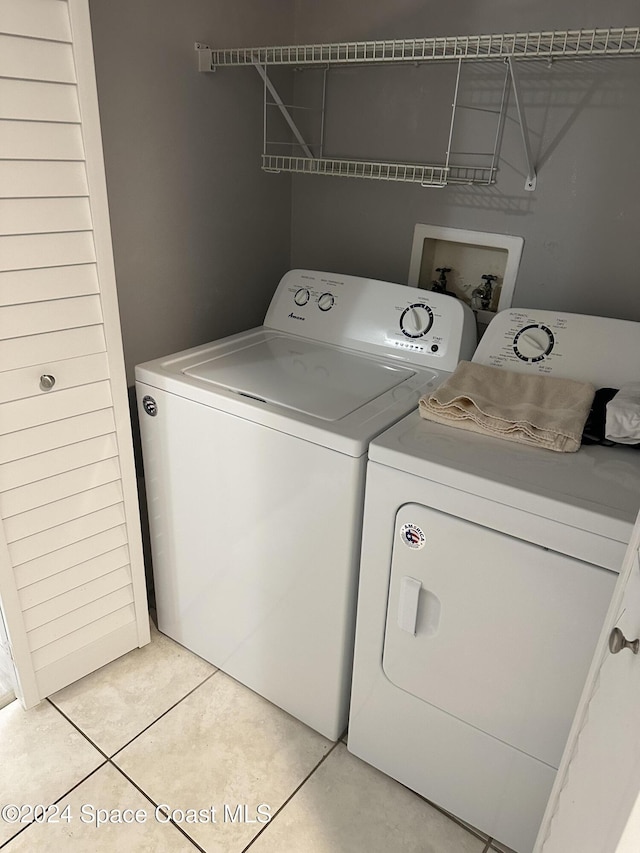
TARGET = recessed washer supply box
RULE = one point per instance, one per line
(469, 255)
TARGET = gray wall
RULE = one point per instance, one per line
(580, 226)
(200, 234)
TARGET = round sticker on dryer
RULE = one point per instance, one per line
(412, 536)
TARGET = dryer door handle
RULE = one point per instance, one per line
(408, 604)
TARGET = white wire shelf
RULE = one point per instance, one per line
(426, 175)
(552, 44)
(508, 48)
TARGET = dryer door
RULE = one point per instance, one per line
(491, 629)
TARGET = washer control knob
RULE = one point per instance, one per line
(301, 296)
(416, 320)
(326, 301)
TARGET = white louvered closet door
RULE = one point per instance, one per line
(71, 573)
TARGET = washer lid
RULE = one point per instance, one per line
(318, 380)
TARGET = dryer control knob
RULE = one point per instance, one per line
(534, 342)
(416, 320)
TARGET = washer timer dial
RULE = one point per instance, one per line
(534, 342)
(416, 320)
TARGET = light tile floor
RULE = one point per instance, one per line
(159, 751)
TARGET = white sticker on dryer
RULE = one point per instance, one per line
(413, 536)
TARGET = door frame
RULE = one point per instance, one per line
(630, 837)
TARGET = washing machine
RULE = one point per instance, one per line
(254, 452)
(487, 567)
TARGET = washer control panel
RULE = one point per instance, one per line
(375, 316)
(600, 350)
(325, 301)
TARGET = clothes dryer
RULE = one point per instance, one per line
(255, 450)
(487, 568)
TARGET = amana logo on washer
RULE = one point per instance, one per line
(149, 405)
(413, 536)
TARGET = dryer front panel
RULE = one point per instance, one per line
(490, 629)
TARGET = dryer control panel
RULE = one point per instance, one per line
(379, 317)
(600, 350)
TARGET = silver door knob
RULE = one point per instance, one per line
(47, 381)
(618, 642)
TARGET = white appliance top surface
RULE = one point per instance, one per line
(345, 399)
(603, 480)
(302, 375)
(596, 488)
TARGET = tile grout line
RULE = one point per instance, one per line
(78, 729)
(156, 805)
(120, 748)
(164, 713)
(61, 797)
(292, 795)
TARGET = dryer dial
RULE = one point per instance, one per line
(533, 343)
(416, 320)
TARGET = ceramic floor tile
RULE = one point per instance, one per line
(501, 848)
(349, 807)
(114, 704)
(42, 756)
(468, 826)
(223, 746)
(88, 819)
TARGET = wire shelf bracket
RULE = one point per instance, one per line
(530, 183)
(269, 87)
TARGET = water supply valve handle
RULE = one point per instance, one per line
(440, 286)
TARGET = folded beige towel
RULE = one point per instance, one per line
(539, 410)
